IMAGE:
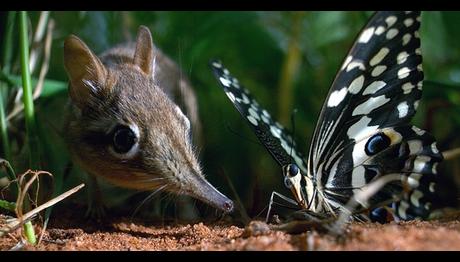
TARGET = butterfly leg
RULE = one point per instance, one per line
(285, 198)
(299, 221)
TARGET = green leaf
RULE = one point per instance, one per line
(50, 87)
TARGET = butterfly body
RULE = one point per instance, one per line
(363, 132)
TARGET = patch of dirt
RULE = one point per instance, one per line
(75, 233)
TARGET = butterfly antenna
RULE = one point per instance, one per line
(241, 136)
(294, 112)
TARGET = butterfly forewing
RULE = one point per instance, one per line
(376, 90)
(378, 85)
(272, 135)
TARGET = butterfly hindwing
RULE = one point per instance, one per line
(272, 135)
(405, 150)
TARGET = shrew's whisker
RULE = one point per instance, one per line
(147, 198)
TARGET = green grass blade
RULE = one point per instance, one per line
(4, 130)
(11, 175)
(30, 233)
(7, 50)
(29, 112)
(7, 53)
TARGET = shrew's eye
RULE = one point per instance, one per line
(123, 139)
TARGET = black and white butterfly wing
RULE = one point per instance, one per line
(363, 131)
(272, 135)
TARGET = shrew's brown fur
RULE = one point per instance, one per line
(136, 86)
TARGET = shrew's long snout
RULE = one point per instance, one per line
(204, 191)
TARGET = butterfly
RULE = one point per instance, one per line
(363, 132)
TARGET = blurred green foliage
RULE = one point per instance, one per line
(253, 45)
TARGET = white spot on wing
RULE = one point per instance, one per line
(419, 67)
(374, 87)
(356, 85)
(276, 132)
(402, 57)
(361, 129)
(379, 56)
(392, 33)
(379, 30)
(403, 72)
(431, 187)
(359, 154)
(225, 81)
(415, 146)
(357, 177)
(420, 162)
(434, 168)
(252, 120)
(403, 205)
(346, 62)
(372, 103)
(266, 113)
(378, 70)
(414, 179)
(406, 38)
(355, 64)
(336, 97)
(253, 113)
(391, 20)
(285, 145)
(231, 96)
(408, 22)
(216, 65)
(418, 131)
(366, 35)
(403, 109)
(415, 198)
(265, 119)
(434, 149)
(420, 85)
(245, 98)
(407, 87)
(427, 206)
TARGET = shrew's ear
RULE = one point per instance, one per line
(143, 56)
(86, 72)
